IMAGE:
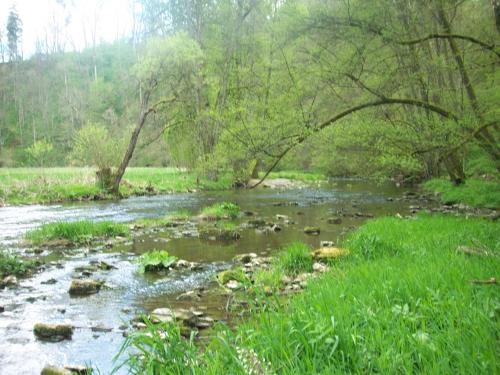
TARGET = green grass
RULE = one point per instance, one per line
(224, 210)
(14, 265)
(77, 232)
(298, 175)
(49, 185)
(475, 193)
(295, 258)
(402, 303)
(36, 185)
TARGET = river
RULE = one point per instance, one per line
(132, 293)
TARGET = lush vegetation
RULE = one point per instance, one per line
(13, 265)
(76, 232)
(155, 260)
(408, 300)
(229, 90)
(218, 211)
(475, 193)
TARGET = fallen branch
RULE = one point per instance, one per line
(490, 281)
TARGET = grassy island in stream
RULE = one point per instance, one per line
(76, 232)
(414, 296)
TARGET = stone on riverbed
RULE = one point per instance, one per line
(312, 230)
(334, 220)
(329, 253)
(66, 370)
(85, 287)
(245, 258)
(10, 280)
(51, 370)
(53, 332)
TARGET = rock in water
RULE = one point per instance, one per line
(67, 370)
(51, 370)
(312, 230)
(334, 220)
(10, 280)
(53, 332)
(329, 253)
(84, 287)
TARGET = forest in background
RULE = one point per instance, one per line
(405, 89)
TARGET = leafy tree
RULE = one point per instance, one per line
(94, 146)
(39, 152)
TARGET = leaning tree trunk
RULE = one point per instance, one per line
(115, 188)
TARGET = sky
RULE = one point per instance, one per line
(74, 23)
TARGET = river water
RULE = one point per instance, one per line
(131, 293)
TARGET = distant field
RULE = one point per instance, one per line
(36, 185)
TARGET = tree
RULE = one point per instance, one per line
(39, 152)
(169, 66)
(14, 34)
(93, 146)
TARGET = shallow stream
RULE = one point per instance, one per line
(132, 293)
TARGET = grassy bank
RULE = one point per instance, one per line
(34, 185)
(407, 300)
(76, 232)
(475, 193)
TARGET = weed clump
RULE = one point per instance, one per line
(155, 260)
(219, 211)
(76, 232)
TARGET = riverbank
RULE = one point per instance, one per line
(416, 295)
(19, 186)
(478, 193)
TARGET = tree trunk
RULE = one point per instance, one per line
(454, 166)
(496, 13)
(484, 137)
(115, 188)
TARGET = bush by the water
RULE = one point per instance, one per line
(409, 300)
(77, 232)
(155, 260)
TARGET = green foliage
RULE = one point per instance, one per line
(159, 349)
(77, 232)
(224, 210)
(295, 258)
(13, 265)
(475, 193)
(39, 151)
(93, 146)
(155, 260)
